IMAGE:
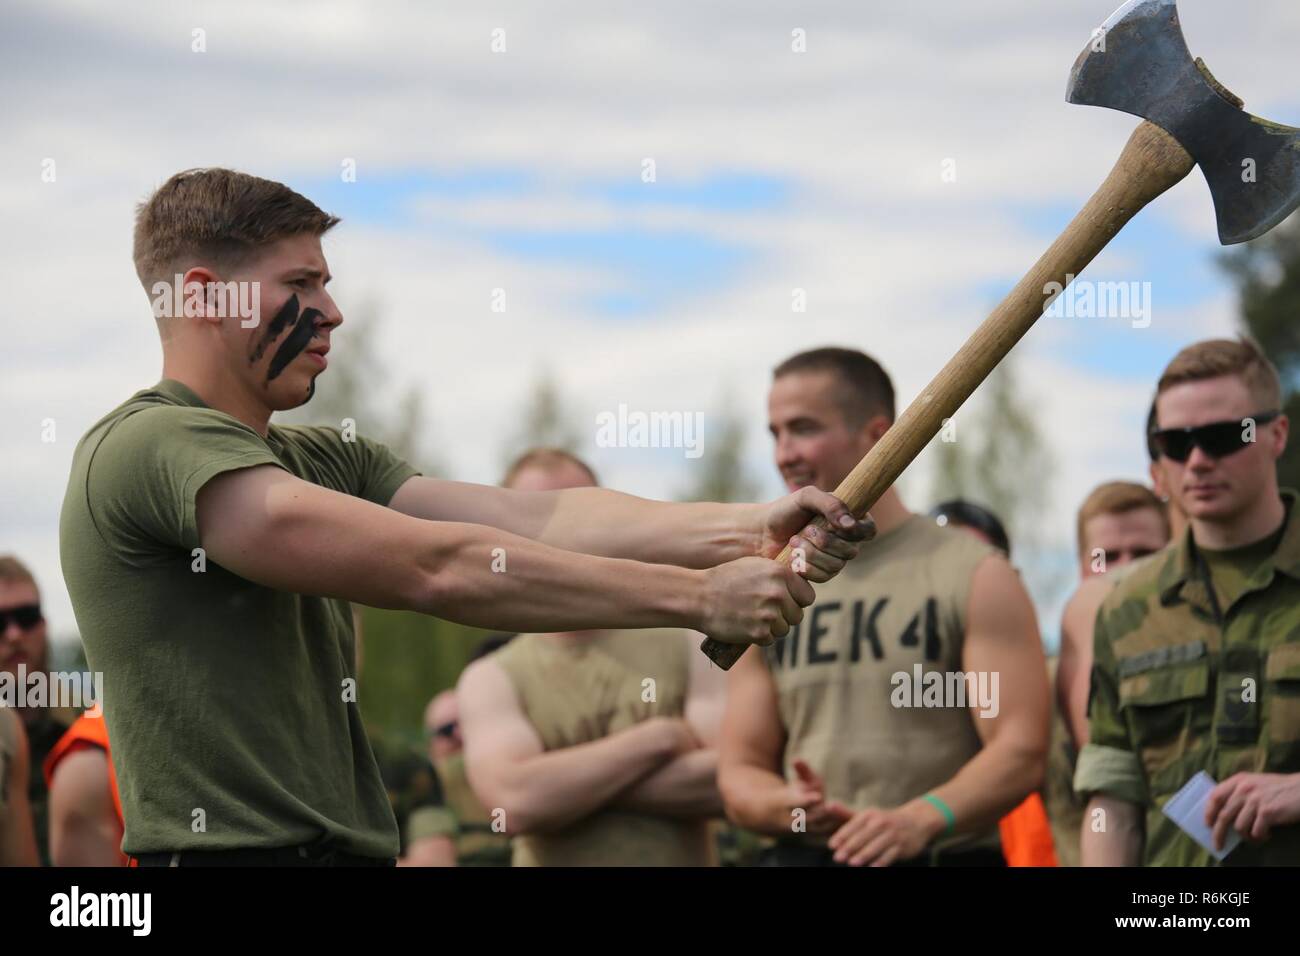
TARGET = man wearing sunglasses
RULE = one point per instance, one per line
(1197, 651)
(23, 643)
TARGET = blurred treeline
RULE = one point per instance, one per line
(1267, 275)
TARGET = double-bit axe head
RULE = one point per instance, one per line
(1138, 62)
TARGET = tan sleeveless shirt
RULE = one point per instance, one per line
(902, 603)
(575, 693)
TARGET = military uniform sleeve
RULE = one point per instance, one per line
(1107, 763)
(147, 471)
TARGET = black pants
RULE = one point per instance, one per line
(278, 856)
(800, 854)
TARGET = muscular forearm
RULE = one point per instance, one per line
(594, 521)
(694, 535)
(488, 578)
(684, 787)
(992, 783)
(556, 788)
(755, 798)
(1112, 837)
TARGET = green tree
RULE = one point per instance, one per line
(999, 458)
(545, 423)
(1267, 276)
(719, 474)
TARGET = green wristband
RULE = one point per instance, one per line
(948, 815)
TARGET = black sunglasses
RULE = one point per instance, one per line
(26, 616)
(444, 730)
(1218, 439)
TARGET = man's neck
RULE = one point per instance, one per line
(889, 512)
(1256, 524)
(218, 392)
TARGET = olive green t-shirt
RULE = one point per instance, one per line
(228, 703)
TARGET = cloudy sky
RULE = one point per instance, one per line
(522, 169)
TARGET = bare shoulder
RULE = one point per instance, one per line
(1082, 606)
(81, 778)
(994, 579)
(484, 679)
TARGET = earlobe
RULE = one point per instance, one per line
(197, 295)
(877, 428)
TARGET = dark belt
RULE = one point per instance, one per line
(276, 856)
(800, 854)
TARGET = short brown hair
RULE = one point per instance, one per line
(13, 571)
(866, 389)
(1117, 498)
(1216, 357)
(549, 460)
(219, 216)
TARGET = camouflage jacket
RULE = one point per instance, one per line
(1180, 685)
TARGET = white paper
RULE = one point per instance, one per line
(1187, 809)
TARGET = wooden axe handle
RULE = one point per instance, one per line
(1152, 162)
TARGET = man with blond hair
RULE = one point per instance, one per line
(1197, 651)
(1120, 524)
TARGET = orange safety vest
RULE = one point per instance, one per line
(1027, 835)
(86, 731)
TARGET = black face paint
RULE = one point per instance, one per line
(297, 340)
(279, 322)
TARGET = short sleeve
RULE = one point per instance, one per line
(146, 473)
(380, 472)
(1107, 763)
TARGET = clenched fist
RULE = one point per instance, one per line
(753, 601)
